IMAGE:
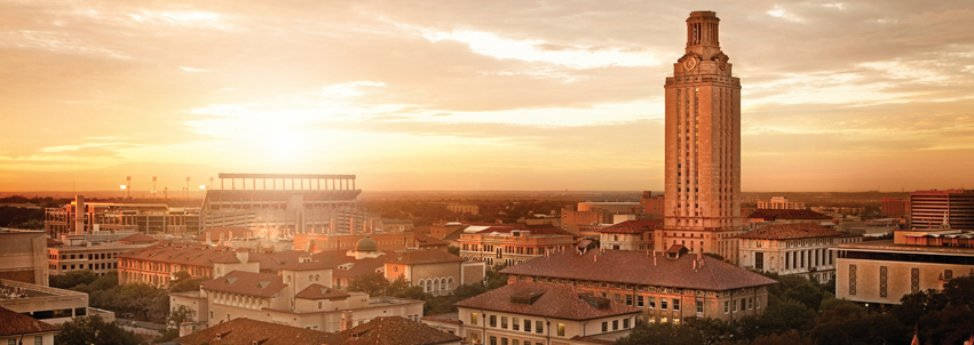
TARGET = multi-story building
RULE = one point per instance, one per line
(587, 216)
(894, 207)
(98, 257)
(528, 313)
(653, 205)
(703, 146)
(914, 260)
(471, 209)
(437, 271)
(378, 331)
(157, 265)
(298, 295)
(780, 203)
(793, 249)
(50, 305)
(667, 286)
(937, 209)
(23, 256)
(629, 235)
(511, 244)
(17, 328)
(316, 243)
(85, 217)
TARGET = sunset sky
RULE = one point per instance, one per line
(498, 95)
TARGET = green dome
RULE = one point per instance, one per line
(366, 245)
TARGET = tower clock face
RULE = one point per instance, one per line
(690, 63)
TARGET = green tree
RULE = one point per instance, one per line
(373, 284)
(941, 317)
(72, 279)
(662, 334)
(184, 282)
(93, 331)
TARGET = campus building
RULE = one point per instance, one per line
(629, 235)
(85, 217)
(793, 249)
(937, 209)
(666, 286)
(511, 244)
(914, 260)
(99, 257)
(23, 256)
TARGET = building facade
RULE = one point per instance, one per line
(511, 244)
(703, 151)
(937, 209)
(793, 249)
(85, 217)
(98, 257)
(50, 305)
(16, 328)
(780, 203)
(883, 272)
(629, 235)
(666, 286)
(23, 256)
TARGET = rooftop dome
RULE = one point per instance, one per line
(366, 245)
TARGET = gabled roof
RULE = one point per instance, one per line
(395, 330)
(790, 232)
(641, 268)
(249, 332)
(14, 323)
(636, 226)
(138, 238)
(772, 214)
(317, 291)
(246, 283)
(348, 267)
(560, 301)
(422, 256)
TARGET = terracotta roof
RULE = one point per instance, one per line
(772, 214)
(535, 230)
(422, 256)
(317, 291)
(424, 240)
(249, 332)
(395, 330)
(184, 254)
(246, 283)
(559, 301)
(453, 318)
(637, 226)
(790, 232)
(640, 268)
(138, 238)
(14, 323)
(346, 266)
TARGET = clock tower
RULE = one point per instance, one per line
(702, 206)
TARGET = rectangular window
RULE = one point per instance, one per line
(699, 304)
(914, 280)
(538, 327)
(733, 306)
(38, 340)
(615, 325)
(561, 329)
(527, 325)
(493, 340)
(676, 304)
(515, 324)
(605, 326)
(640, 301)
(625, 323)
(474, 318)
(852, 280)
(503, 341)
(628, 299)
(652, 302)
(493, 321)
(662, 304)
(726, 307)
(504, 322)
(515, 342)
(883, 273)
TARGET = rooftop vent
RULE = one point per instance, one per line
(594, 301)
(526, 297)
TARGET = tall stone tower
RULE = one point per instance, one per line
(702, 208)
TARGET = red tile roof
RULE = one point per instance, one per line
(317, 291)
(138, 238)
(346, 266)
(637, 226)
(184, 254)
(246, 283)
(772, 214)
(790, 232)
(395, 330)
(535, 230)
(422, 256)
(640, 268)
(249, 332)
(559, 301)
(14, 323)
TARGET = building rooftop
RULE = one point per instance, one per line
(244, 331)
(317, 291)
(395, 330)
(773, 214)
(636, 226)
(14, 323)
(422, 256)
(509, 229)
(889, 247)
(558, 301)
(246, 283)
(791, 232)
(642, 268)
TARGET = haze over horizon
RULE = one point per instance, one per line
(836, 96)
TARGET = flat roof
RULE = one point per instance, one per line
(315, 176)
(887, 246)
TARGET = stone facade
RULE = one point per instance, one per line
(23, 256)
(703, 116)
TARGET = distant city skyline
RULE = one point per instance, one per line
(839, 96)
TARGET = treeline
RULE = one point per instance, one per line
(801, 312)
